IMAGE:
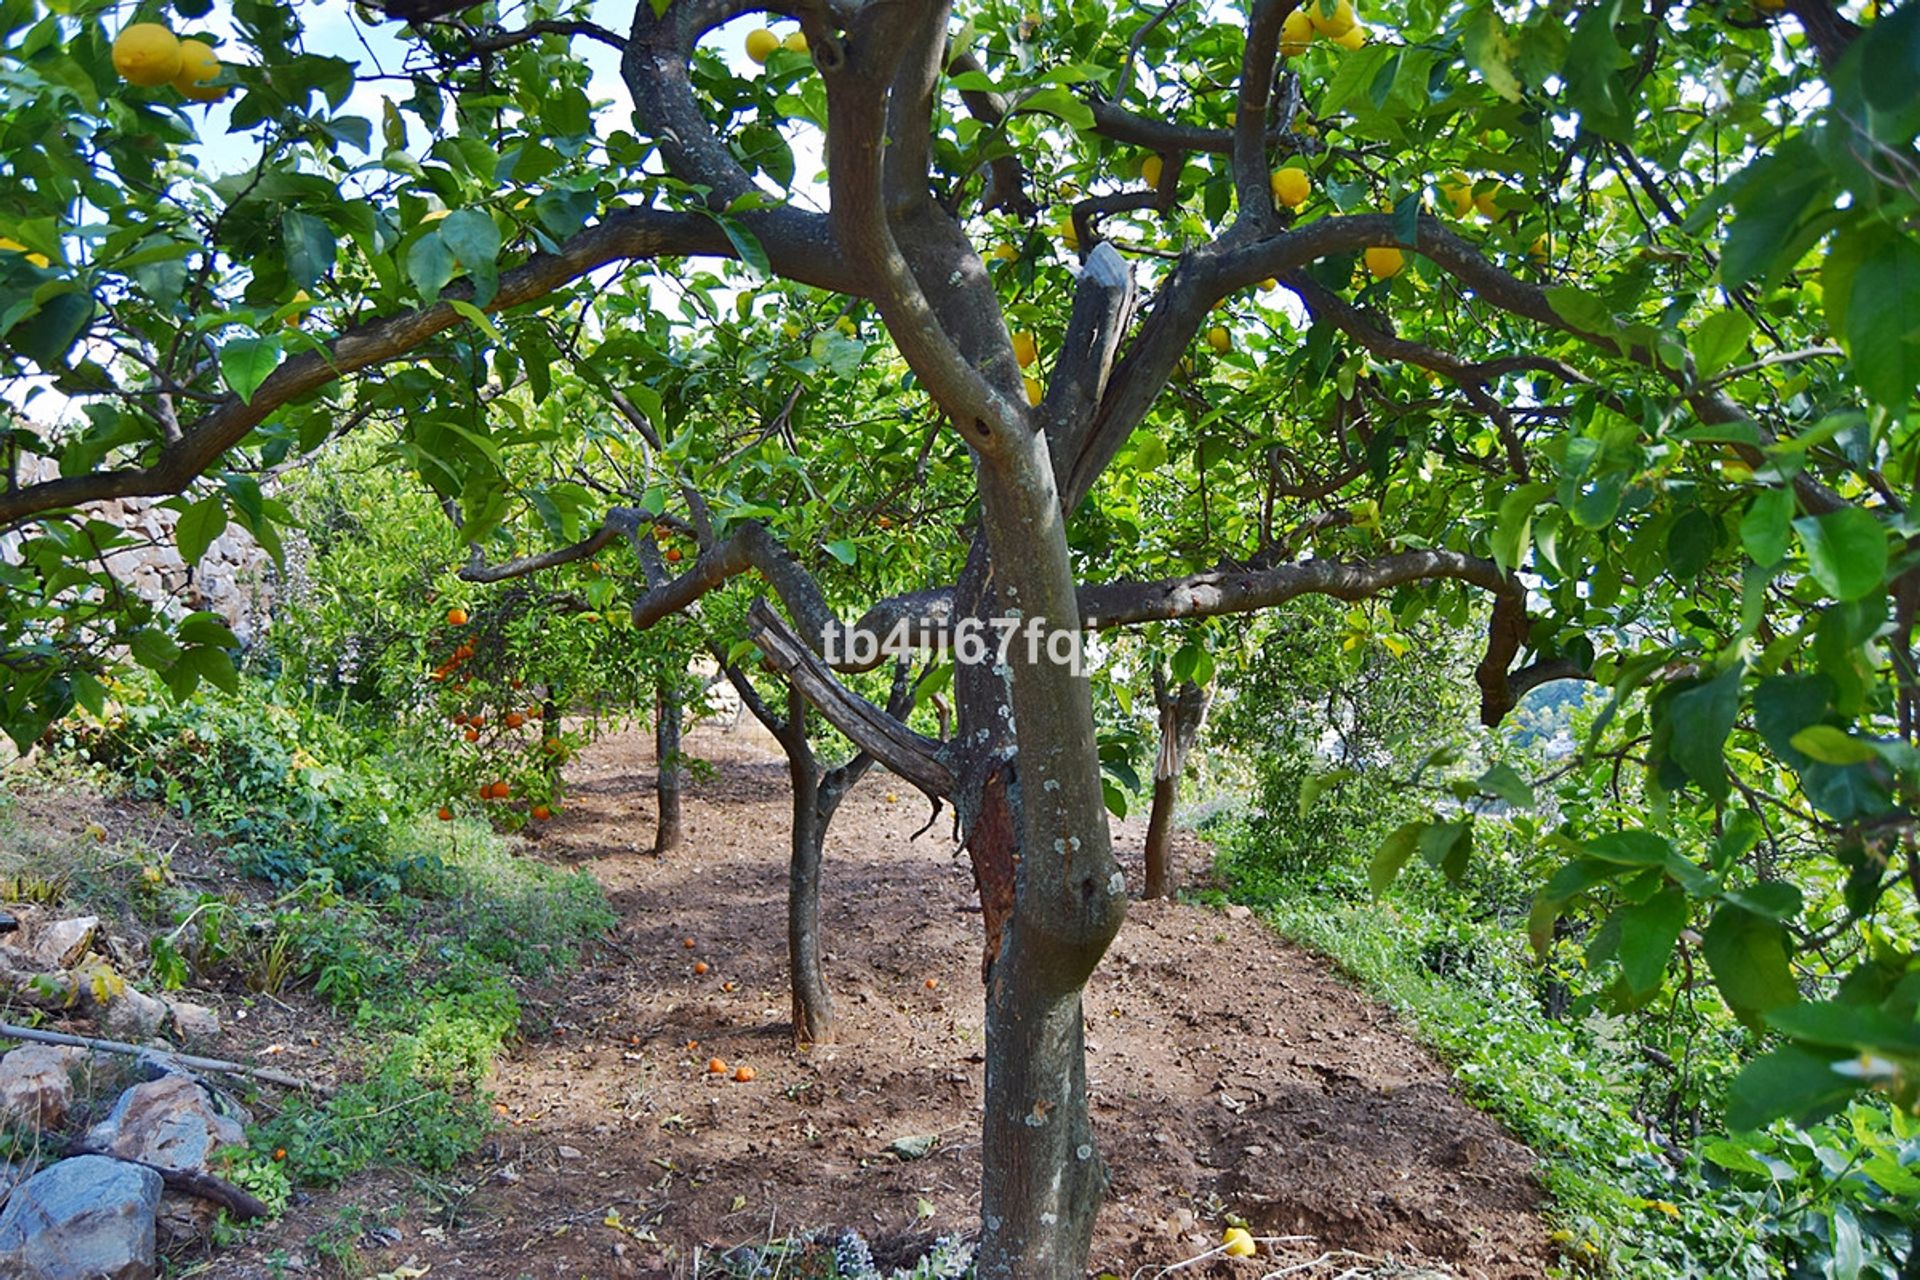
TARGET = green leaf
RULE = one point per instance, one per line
(1149, 452)
(246, 363)
(430, 264)
(1719, 340)
(1501, 780)
(1733, 1157)
(310, 248)
(1648, 931)
(1830, 744)
(1790, 1082)
(1446, 846)
(1846, 551)
(1513, 526)
(1768, 525)
(1318, 784)
(1630, 848)
(1060, 103)
(1702, 717)
(153, 649)
(1490, 52)
(752, 253)
(1883, 322)
(479, 318)
(1748, 956)
(840, 549)
(198, 526)
(1391, 857)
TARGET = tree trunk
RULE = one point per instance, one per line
(1041, 1177)
(1160, 869)
(666, 751)
(812, 1003)
(1181, 716)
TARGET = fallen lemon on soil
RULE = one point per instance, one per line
(1238, 1241)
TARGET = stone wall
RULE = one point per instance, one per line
(235, 579)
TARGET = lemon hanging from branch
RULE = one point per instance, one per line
(147, 54)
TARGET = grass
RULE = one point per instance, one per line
(1622, 1202)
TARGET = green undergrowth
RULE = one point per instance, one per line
(418, 934)
(1836, 1199)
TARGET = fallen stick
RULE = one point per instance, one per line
(281, 1078)
(243, 1205)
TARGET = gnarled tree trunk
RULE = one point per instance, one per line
(1182, 713)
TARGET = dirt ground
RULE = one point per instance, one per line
(1231, 1073)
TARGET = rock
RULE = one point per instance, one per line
(88, 1218)
(175, 1124)
(35, 1085)
(61, 944)
(1235, 911)
(132, 1015)
(193, 1021)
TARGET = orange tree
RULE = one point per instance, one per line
(1659, 263)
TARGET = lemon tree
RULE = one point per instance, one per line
(1588, 331)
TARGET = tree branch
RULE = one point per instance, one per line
(629, 233)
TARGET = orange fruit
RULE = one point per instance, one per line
(729, 986)
(699, 966)
(459, 717)
(932, 983)
(515, 719)
(673, 555)
(279, 1153)
(500, 790)
(687, 943)
(477, 721)
(716, 1066)
(743, 1074)
(462, 653)
(692, 1045)
(456, 617)
(446, 814)
(471, 735)
(541, 813)
(515, 682)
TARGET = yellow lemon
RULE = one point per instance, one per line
(795, 42)
(1488, 202)
(1069, 236)
(1034, 390)
(302, 303)
(761, 43)
(1150, 170)
(14, 246)
(1005, 253)
(1296, 33)
(146, 54)
(1024, 349)
(1219, 339)
(1352, 38)
(1238, 1241)
(846, 325)
(1385, 263)
(1270, 283)
(197, 66)
(1331, 25)
(1457, 191)
(1291, 187)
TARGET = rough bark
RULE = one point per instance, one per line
(667, 714)
(1182, 713)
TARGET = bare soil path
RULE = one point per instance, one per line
(1231, 1071)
